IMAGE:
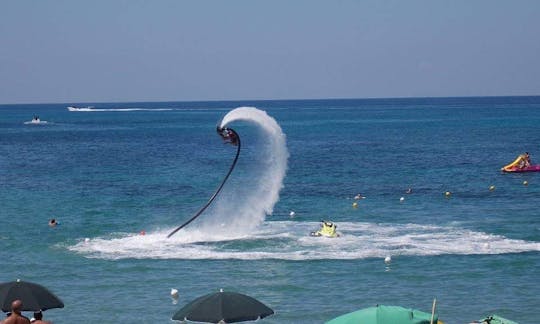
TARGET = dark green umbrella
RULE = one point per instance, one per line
(228, 307)
(33, 296)
(385, 315)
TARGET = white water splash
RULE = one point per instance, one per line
(289, 240)
(242, 208)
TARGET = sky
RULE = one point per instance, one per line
(77, 51)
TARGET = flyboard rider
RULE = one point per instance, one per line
(228, 135)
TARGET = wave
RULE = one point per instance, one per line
(289, 240)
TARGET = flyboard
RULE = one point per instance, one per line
(230, 136)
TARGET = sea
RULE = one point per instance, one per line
(119, 177)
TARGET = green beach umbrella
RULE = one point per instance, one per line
(223, 307)
(384, 315)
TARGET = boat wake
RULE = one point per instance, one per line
(92, 109)
(289, 240)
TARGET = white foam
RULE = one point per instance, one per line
(245, 206)
(289, 240)
(119, 109)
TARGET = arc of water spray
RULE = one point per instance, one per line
(232, 137)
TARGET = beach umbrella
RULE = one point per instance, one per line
(384, 315)
(33, 296)
(223, 307)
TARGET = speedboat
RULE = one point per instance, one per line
(73, 108)
(328, 229)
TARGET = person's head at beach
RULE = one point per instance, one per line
(38, 316)
(52, 222)
(16, 306)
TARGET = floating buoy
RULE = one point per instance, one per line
(292, 213)
(388, 259)
(525, 182)
(174, 293)
(448, 194)
(142, 233)
(355, 205)
(491, 188)
(402, 199)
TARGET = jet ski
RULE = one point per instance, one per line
(328, 229)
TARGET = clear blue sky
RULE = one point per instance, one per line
(106, 50)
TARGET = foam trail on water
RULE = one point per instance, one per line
(288, 240)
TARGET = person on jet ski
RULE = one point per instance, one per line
(328, 229)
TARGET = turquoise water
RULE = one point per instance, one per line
(107, 175)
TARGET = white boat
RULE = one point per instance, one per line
(73, 108)
(35, 121)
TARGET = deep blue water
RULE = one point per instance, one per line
(107, 175)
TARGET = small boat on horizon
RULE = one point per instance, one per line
(35, 121)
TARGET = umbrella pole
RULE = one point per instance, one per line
(433, 310)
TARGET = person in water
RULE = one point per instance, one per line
(53, 222)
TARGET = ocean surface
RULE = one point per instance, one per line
(121, 170)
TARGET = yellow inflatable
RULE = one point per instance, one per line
(514, 164)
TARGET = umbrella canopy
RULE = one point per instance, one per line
(33, 296)
(384, 315)
(229, 307)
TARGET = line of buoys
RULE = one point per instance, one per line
(447, 194)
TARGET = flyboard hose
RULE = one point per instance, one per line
(230, 136)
